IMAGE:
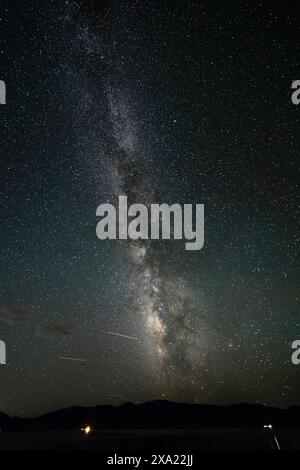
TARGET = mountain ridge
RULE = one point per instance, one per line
(157, 413)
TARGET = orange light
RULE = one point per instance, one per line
(87, 430)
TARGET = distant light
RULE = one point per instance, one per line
(87, 430)
(268, 426)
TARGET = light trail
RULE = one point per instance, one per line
(72, 359)
(134, 338)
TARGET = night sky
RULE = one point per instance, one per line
(169, 101)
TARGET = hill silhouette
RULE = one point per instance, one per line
(156, 414)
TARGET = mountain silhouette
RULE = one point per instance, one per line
(158, 414)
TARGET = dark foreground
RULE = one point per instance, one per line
(163, 440)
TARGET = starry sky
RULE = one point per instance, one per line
(169, 101)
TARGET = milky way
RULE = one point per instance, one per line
(173, 319)
(163, 102)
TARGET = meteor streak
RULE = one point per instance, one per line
(74, 359)
(122, 336)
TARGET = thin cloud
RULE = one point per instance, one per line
(54, 330)
(14, 316)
